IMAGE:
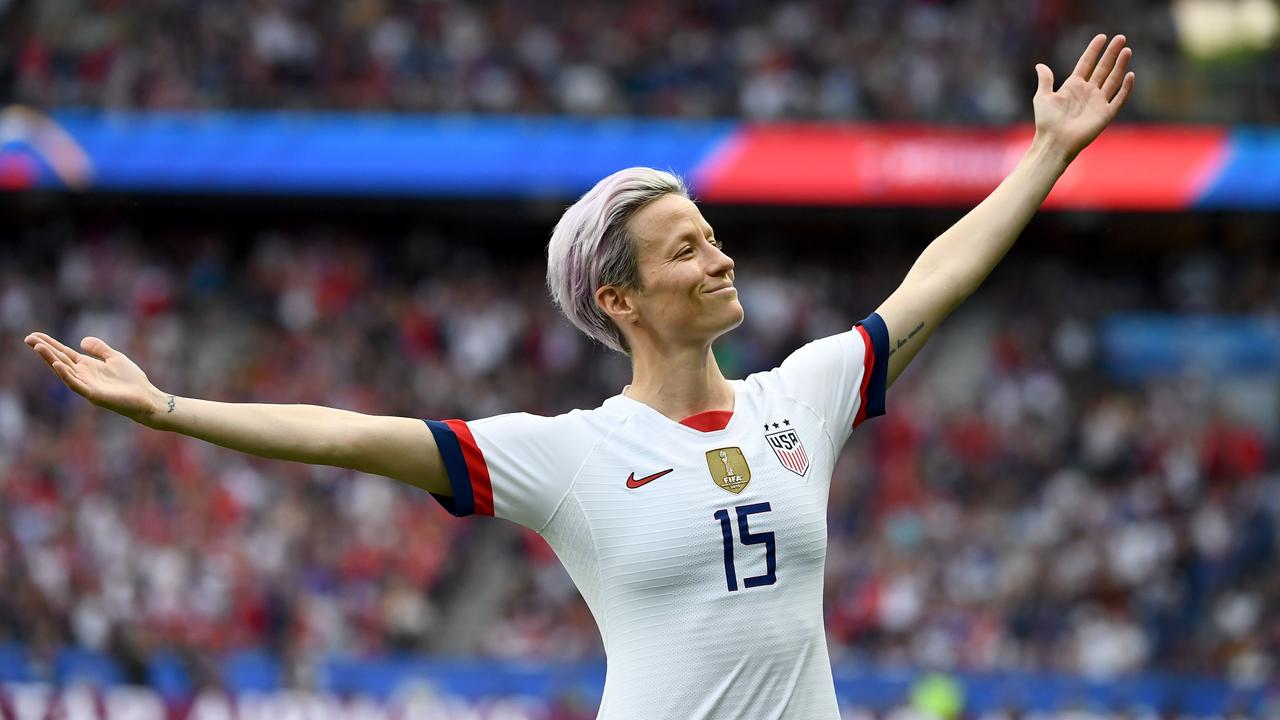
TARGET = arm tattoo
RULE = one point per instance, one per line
(171, 399)
(903, 341)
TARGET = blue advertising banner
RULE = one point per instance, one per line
(1136, 346)
(480, 682)
(338, 153)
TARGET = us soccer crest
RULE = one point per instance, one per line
(790, 451)
(729, 468)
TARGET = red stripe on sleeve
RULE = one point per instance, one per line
(476, 467)
(868, 363)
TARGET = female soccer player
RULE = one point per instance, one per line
(690, 510)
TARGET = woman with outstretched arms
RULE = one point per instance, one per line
(689, 509)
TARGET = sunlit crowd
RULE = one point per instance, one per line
(959, 62)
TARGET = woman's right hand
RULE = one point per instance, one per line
(103, 376)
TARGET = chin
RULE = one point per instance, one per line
(722, 320)
(740, 316)
(733, 317)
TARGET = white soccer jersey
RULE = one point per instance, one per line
(699, 551)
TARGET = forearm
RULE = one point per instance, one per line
(299, 433)
(966, 253)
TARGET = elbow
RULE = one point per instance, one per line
(942, 289)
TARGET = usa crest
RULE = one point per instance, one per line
(790, 451)
(729, 468)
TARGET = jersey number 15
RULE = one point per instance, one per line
(748, 538)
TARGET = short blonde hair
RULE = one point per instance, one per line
(591, 248)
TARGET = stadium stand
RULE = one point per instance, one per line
(952, 62)
(1017, 509)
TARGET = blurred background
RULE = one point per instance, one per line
(1070, 509)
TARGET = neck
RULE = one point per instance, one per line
(679, 384)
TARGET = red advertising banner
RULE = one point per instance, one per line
(1128, 167)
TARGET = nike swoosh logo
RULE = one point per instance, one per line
(633, 482)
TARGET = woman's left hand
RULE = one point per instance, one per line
(1076, 113)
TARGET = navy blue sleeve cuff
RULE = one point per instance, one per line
(876, 387)
(462, 503)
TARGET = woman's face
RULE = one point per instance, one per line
(687, 294)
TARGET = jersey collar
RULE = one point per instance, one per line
(710, 421)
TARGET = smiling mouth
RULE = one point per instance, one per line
(718, 291)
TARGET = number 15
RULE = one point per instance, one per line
(748, 538)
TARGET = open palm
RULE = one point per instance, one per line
(1073, 115)
(103, 376)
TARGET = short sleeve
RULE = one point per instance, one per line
(842, 377)
(516, 466)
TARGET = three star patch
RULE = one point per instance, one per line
(786, 445)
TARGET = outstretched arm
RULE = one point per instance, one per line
(954, 264)
(399, 448)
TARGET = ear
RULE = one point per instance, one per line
(617, 303)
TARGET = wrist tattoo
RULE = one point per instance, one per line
(171, 401)
(903, 341)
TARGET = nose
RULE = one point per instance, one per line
(720, 263)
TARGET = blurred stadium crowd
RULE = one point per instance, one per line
(1014, 509)
(923, 60)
